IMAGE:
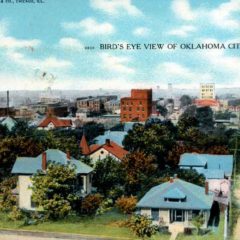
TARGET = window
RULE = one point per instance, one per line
(140, 103)
(130, 109)
(155, 214)
(143, 109)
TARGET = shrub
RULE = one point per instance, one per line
(126, 204)
(106, 205)
(142, 226)
(91, 203)
(15, 214)
(8, 200)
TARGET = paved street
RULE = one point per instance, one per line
(28, 235)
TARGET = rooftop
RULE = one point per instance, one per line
(31, 165)
(194, 196)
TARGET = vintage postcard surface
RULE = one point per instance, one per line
(119, 119)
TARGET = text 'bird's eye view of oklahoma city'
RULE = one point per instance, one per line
(120, 119)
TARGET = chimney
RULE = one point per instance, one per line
(108, 142)
(171, 180)
(7, 103)
(206, 188)
(44, 161)
(68, 155)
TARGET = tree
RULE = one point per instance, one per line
(162, 110)
(108, 175)
(152, 139)
(139, 168)
(142, 226)
(185, 101)
(53, 190)
(126, 204)
(12, 147)
(204, 115)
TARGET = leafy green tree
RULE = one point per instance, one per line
(53, 190)
(108, 175)
(162, 110)
(139, 168)
(155, 139)
(12, 147)
(204, 115)
(142, 226)
(3, 131)
(185, 100)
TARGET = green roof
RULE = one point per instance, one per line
(194, 196)
(30, 165)
(9, 122)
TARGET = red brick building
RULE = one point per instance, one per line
(138, 107)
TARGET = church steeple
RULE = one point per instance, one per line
(84, 145)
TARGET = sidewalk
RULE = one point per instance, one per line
(25, 235)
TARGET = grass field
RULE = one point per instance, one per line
(104, 225)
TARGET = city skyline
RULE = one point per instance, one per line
(42, 45)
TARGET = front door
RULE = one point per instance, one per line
(177, 215)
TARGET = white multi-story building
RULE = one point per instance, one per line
(207, 91)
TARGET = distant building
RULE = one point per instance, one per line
(53, 122)
(93, 104)
(138, 107)
(9, 122)
(207, 91)
(112, 106)
(57, 110)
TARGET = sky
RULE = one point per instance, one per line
(43, 44)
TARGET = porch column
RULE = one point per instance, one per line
(84, 183)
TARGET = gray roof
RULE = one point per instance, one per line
(195, 197)
(212, 162)
(30, 165)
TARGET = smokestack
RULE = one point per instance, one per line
(7, 103)
(206, 188)
(108, 142)
(44, 161)
(68, 155)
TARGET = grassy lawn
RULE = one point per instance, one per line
(217, 235)
(104, 225)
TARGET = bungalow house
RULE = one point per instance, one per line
(210, 165)
(217, 170)
(53, 122)
(176, 203)
(26, 167)
(97, 152)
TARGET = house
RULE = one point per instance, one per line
(26, 167)
(100, 151)
(9, 122)
(217, 170)
(51, 122)
(210, 165)
(176, 202)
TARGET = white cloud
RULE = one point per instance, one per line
(116, 7)
(182, 10)
(90, 26)
(13, 43)
(223, 15)
(8, 42)
(183, 31)
(71, 44)
(116, 63)
(141, 31)
(47, 63)
(175, 72)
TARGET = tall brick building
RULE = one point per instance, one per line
(138, 107)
